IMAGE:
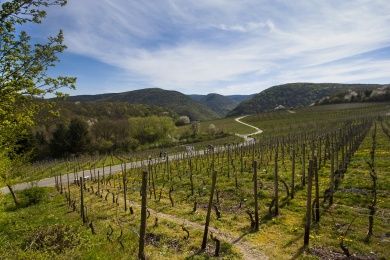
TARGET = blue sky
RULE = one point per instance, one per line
(223, 46)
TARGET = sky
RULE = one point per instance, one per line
(220, 46)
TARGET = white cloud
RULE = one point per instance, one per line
(248, 27)
(194, 46)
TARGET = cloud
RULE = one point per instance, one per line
(248, 27)
(231, 46)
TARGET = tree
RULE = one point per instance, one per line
(78, 136)
(212, 129)
(195, 127)
(58, 144)
(183, 120)
(151, 129)
(23, 68)
(23, 72)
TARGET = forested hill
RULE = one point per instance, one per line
(108, 110)
(220, 104)
(294, 95)
(171, 100)
(216, 102)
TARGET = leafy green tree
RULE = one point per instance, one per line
(24, 66)
(151, 129)
(58, 144)
(23, 72)
(78, 136)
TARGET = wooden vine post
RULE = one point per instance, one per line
(124, 187)
(142, 231)
(317, 190)
(67, 177)
(331, 188)
(82, 211)
(276, 182)
(303, 164)
(293, 173)
(255, 195)
(206, 227)
(308, 206)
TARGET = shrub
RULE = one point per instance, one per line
(33, 196)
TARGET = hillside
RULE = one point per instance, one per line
(171, 100)
(380, 94)
(108, 110)
(240, 98)
(220, 104)
(294, 95)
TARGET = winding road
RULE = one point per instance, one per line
(50, 182)
(247, 137)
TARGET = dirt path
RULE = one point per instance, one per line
(248, 251)
(247, 137)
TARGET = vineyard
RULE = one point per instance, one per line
(314, 184)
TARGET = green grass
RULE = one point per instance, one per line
(19, 227)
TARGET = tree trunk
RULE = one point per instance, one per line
(16, 201)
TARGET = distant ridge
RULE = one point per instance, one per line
(294, 95)
(169, 99)
(220, 104)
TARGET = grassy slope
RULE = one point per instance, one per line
(228, 125)
(17, 227)
(284, 122)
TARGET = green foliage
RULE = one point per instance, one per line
(72, 139)
(100, 110)
(23, 70)
(170, 100)
(59, 144)
(33, 196)
(151, 129)
(221, 105)
(5, 165)
(78, 136)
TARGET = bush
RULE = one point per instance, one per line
(33, 196)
